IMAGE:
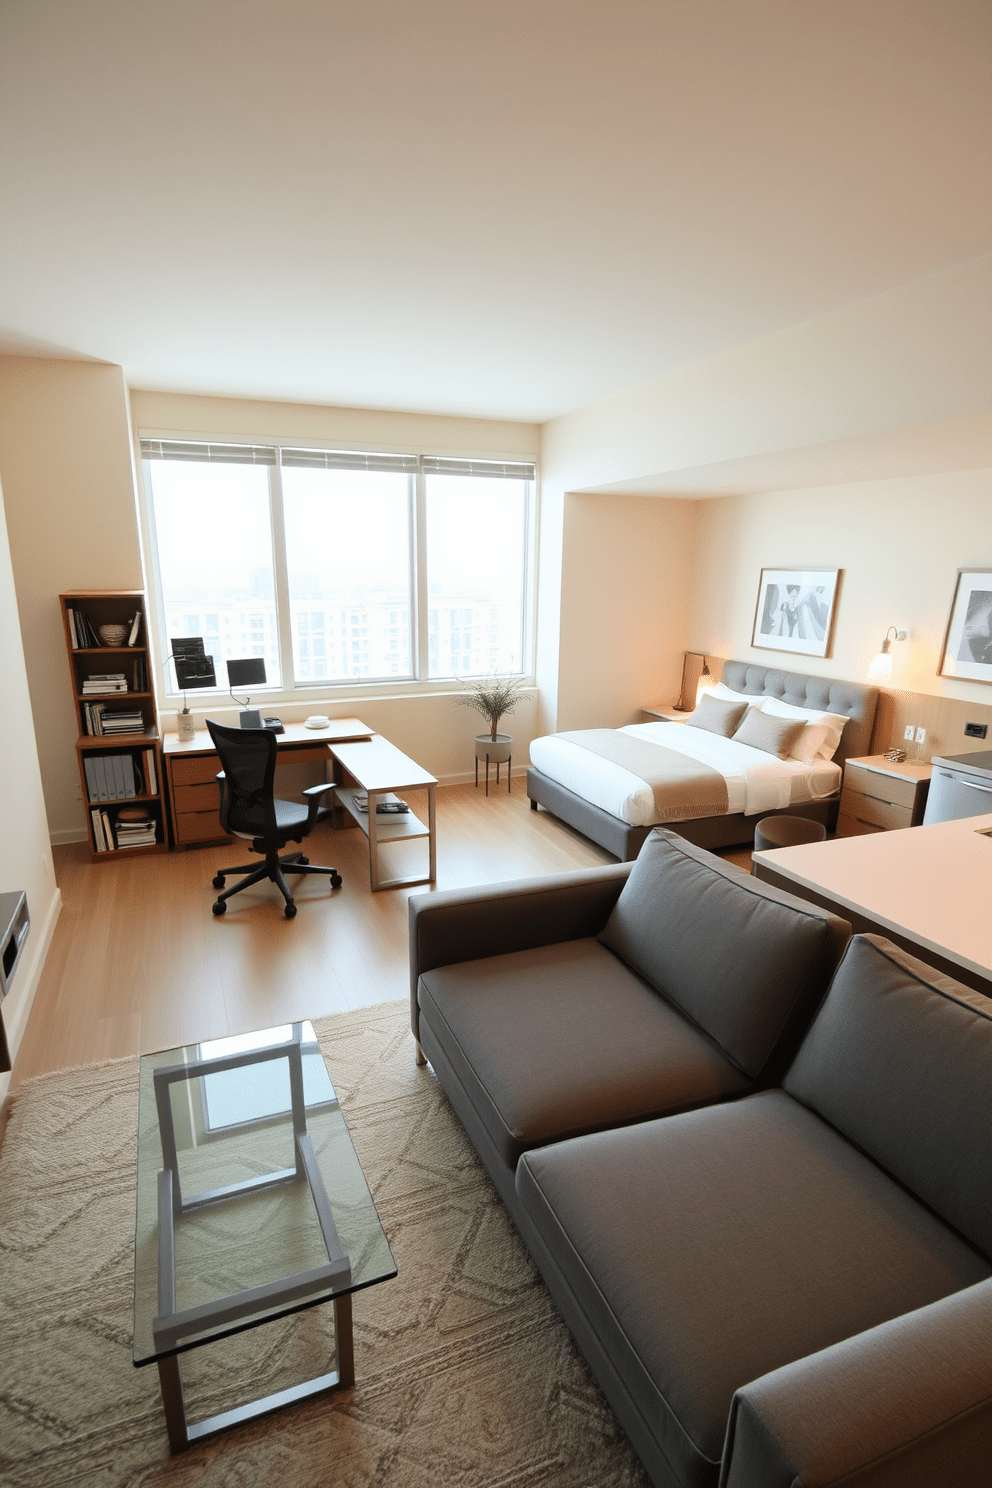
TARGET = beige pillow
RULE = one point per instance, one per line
(773, 735)
(832, 725)
(716, 716)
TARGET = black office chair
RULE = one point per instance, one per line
(250, 809)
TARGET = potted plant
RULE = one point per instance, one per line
(492, 697)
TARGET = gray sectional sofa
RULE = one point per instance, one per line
(763, 1207)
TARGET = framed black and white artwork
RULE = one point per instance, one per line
(795, 610)
(968, 640)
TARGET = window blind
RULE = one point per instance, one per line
(502, 469)
(348, 460)
(228, 454)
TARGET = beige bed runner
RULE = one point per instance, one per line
(683, 788)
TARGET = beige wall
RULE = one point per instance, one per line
(179, 414)
(899, 543)
(65, 462)
(626, 582)
(918, 357)
(25, 855)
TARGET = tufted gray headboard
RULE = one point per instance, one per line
(854, 699)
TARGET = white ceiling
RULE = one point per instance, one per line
(509, 210)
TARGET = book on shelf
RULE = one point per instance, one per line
(151, 774)
(390, 805)
(84, 636)
(124, 721)
(135, 627)
(135, 827)
(111, 777)
(99, 840)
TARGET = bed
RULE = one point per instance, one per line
(615, 808)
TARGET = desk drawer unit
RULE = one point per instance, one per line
(196, 771)
(196, 794)
(875, 802)
(196, 800)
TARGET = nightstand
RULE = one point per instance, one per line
(663, 715)
(879, 795)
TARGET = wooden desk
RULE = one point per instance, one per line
(926, 888)
(379, 768)
(191, 766)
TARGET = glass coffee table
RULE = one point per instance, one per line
(251, 1205)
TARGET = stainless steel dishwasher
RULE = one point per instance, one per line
(961, 785)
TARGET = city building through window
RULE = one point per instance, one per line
(339, 567)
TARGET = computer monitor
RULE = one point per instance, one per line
(246, 672)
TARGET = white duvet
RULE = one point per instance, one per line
(756, 781)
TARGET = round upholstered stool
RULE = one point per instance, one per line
(787, 831)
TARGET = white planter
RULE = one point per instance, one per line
(498, 749)
(185, 725)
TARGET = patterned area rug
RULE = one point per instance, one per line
(465, 1374)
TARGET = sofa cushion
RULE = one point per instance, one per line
(711, 1247)
(745, 961)
(899, 1059)
(565, 1039)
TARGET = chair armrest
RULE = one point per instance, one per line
(313, 794)
(907, 1402)
(467, 924)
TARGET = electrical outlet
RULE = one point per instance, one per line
(921, 734)
(908, 732)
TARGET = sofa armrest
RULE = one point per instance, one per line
(907, 1402)
(467, 924)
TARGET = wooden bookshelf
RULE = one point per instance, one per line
(112, 761)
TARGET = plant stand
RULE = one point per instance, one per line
(494, 752)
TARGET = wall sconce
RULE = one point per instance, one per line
(881, 667)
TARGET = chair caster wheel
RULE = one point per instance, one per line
(302, 859)
(336, 880)
(219, 881)
(219, 907)
(289, 911)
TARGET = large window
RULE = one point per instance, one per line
(342, 568)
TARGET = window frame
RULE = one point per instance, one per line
(336, 690)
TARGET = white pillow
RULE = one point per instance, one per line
(820, 738)
(730, 696)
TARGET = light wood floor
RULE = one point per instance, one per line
(138, 962)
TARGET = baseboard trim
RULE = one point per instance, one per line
(64, 835)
